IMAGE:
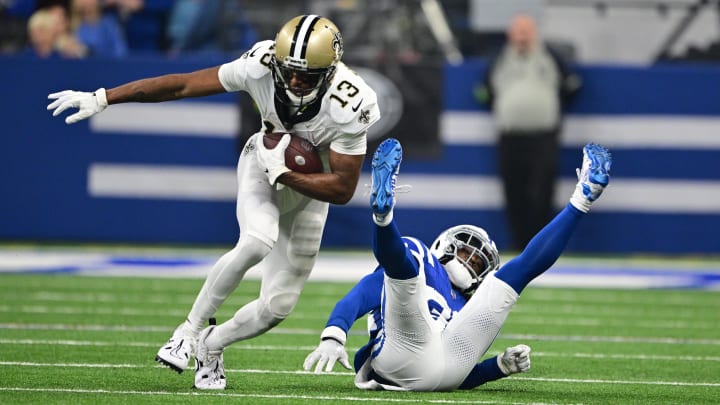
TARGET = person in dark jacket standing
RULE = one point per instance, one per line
(527, 87)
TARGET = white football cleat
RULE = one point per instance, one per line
(177, 351)
(209, 365)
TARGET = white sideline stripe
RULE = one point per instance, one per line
(350, 349)
(615, 132)
(428, 191)
(485, 192)
(345, 373)
(173, 182)
(456, 127)
(288, 331)
(234, 395)
(173, 118)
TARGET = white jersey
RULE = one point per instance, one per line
(348, 109)
(282, 218)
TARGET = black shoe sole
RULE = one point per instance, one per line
(169, 365)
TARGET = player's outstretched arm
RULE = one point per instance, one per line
(331, 350)
(361, 299)
(156, 89)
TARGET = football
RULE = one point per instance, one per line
(300, 155)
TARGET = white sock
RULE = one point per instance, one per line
(578, 199)
(383, 220)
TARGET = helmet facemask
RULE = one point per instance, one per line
(307, 51)
(297, 87)
(468, 255)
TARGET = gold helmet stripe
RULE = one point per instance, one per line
(302, 35)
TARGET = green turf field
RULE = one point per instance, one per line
(72, 339)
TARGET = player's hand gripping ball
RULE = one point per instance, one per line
(300, 155)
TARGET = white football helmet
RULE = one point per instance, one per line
(466, 271)
(307, 51)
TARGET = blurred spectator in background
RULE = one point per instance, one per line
(43, 34)
(66, 43)
(100, 32)
(527, 86)
(209, 26)
(145, 28)
(123, 8)
(14, 17)
(49, 35)
(192, 25)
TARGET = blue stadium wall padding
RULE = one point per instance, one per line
(45, 163)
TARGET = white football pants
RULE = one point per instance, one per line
(280, 231)
(421, 355)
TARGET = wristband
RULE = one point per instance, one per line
(334, 333)
(101, 97)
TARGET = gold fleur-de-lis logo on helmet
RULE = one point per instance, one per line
(337, 44)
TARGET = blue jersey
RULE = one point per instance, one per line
(422, 347)
(366, 297)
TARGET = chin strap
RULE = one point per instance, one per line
(298, 102)
(459, 276)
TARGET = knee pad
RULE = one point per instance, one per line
(278, 307)
(231, 268)
(252, 248)
(305, 238)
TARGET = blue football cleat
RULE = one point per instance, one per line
(594, 175)
(385, 168)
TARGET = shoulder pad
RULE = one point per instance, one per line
(354, 105)
(258, 59)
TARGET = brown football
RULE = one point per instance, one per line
(300, 155)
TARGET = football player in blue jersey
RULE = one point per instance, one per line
(433, 312)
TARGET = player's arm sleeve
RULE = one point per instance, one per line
(351, 144)
(355, 123)
(232, 75)
(483, 372)
(360, 300)
(250, 65)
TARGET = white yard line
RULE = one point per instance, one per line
(299, 372)
(262, 396)
(516, 320)
(289, 331)
(88, 343)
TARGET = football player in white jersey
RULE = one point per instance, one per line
(434, 312)
(300, 85)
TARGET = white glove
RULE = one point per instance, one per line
(330, 350)
(516, 359)
(88, 104)
(272, 160)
